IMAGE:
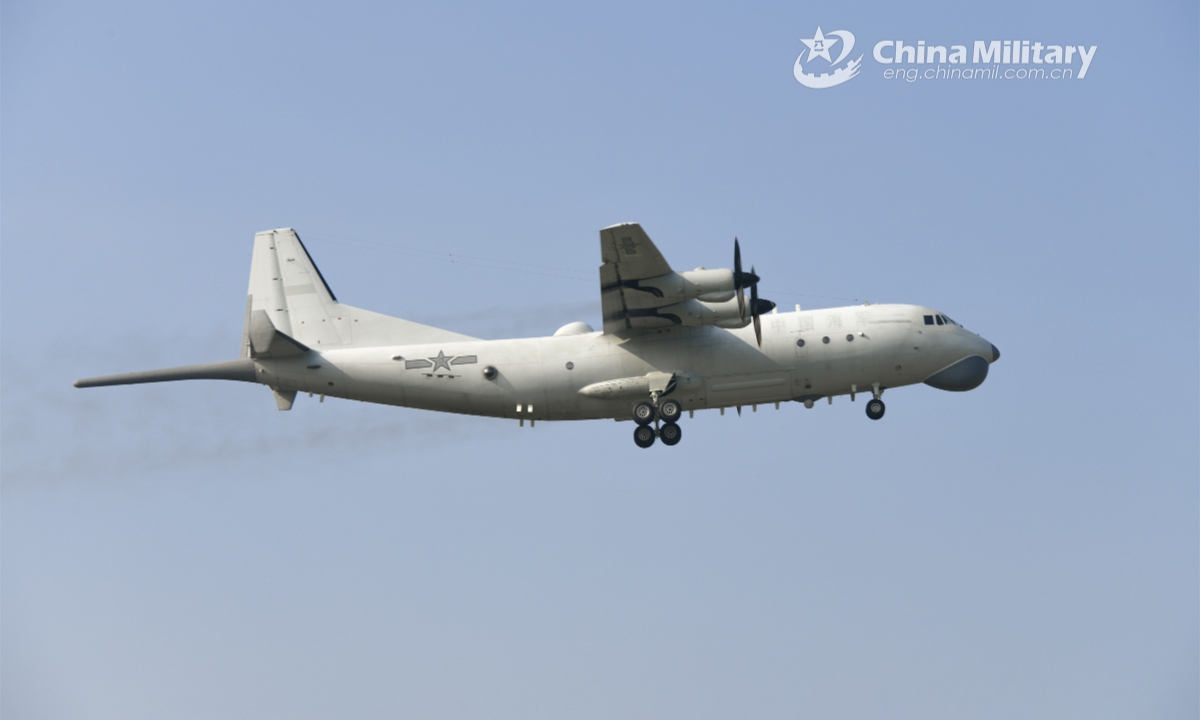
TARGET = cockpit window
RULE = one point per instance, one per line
(940, 320)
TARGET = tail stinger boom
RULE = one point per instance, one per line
(290, 312)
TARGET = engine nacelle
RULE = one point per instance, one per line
(696, 313)
(712, 286)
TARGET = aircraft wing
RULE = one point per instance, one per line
(629, 257)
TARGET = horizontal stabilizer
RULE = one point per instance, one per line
(242, 369)
(267, 341)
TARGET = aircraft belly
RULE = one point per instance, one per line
(737, 372)
(447, 378)
(676, 351)
(517, 383)
(310, 375)
(572, 362)
(727, 390)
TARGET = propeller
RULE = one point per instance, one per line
(757, 308)
(741, 280)
(737, 278)
(754, 311)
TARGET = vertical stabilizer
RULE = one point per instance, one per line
(288, 287)
(291, 310)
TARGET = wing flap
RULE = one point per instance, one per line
(629, 258)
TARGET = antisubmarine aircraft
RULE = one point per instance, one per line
(672, 341)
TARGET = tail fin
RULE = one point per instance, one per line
(288, 290)
(287, 287)
(290, 310)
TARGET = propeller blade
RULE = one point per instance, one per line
(737, 278)
(754, 308)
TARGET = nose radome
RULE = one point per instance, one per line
(995, 353)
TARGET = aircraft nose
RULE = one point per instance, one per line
(995, 353)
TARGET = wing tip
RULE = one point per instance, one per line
(618, 225)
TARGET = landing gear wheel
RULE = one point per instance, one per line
(669, 411)
(643, 435)
(670, 433)
(643, 414)
(875, 409)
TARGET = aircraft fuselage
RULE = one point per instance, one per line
(671, 341)
(805, 356)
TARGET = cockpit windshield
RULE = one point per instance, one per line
(940, 320)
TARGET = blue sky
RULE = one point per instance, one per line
(1026, 549)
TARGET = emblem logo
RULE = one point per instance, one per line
(441, 361)
(818, 47)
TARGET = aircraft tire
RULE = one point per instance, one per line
(643, 414)
(643, 435)
(670, 410)
(670, 433)
(875, 409)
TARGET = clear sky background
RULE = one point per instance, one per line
(1028, 549)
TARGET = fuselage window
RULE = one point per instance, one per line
(800, 342)
(928, 319)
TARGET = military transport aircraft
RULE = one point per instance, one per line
(672, 341)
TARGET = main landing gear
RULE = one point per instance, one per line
(668, 411)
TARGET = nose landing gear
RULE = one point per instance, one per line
(875, 407)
